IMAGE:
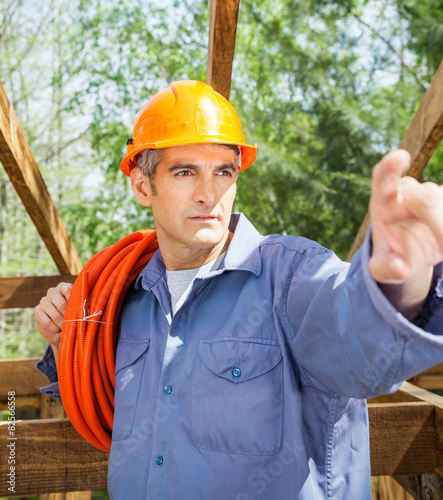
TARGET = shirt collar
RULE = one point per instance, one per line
(242, 254)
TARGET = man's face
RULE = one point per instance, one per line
(192, 201)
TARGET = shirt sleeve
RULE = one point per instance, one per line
(347, 337)
(46, 365)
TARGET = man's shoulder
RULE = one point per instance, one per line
(298, 244)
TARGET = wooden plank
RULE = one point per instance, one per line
(389, 489)
(20, 376)
(51, 457)
(430, 382)
(77, 495)
(51, 408)
(430, 379)
(422, 487)
(402, 438)
(397, 397)
(422, 394)
(421, 139)
(27, 291)
(22, 169)
(22, 402)
(437, 402)
(223, 16)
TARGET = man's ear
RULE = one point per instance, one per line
(141, 187)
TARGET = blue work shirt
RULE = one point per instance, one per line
(261, 394)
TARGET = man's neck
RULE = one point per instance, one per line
(191, 258)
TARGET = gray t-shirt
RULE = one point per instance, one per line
(180, 282)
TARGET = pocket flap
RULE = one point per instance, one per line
(128, 352)
(240, 359)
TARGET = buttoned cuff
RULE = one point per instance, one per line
(46, 366)
(434, 300)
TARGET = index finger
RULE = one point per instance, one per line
(65, 289)
(387, 173)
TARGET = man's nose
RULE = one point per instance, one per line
(205, 191)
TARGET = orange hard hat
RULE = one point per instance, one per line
(187, 112)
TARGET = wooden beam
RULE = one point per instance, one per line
(22, 169)
(421, 487)
(223, 15)
(22, 402)
(27, 291)
(430, 379)
(54, 458)
(51, 457)
(20, 376)
(437, 402)
(402, 438)
(421, 139)
(389, 489)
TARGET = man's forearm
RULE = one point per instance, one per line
(409, 297)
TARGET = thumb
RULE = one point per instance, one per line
(388, 268)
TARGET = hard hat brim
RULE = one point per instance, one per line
(248, 153)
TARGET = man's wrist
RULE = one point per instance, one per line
(409, 297)
(55, 348)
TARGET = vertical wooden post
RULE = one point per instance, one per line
(223, 15)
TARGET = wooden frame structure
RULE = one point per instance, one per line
(406, 428)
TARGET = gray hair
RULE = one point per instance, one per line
(149, 159)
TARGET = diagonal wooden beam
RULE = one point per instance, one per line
(22, 169)
(21, 291)
(223, 15)
(421, 139)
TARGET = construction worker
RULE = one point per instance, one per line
(243, 362)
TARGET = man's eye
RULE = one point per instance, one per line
(227, 173)
(184, 172)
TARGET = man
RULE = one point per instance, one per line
(243, 361)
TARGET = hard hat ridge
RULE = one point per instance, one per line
(187, 112)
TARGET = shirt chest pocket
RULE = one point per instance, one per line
(129, 365)
(237, 396)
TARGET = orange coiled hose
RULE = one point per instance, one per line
(86, 360)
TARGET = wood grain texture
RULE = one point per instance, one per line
(422, 487)
(390, 489)
(51, 457)
(421, 139)
(21, 291)
(223, 16)
(402, 438)
(22, 169)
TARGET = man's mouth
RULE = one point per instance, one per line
(203, 217)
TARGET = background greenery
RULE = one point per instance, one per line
(323, 87)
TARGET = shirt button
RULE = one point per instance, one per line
(159, 460)
(167, 389)
(236, 372)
